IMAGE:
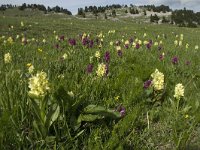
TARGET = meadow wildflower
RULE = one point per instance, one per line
(71, 94)
(147, 84)
(89, 68)
(176, 42)
(158, 80)
(107, 56)
(31, 69)
(137, 46)
(145, 42)
(161, 57)
(101, 70)
(38, 84)
(187, 46)
(156, 44)
(149, 46)
(40, 50)
(181, 37)
(118, 48)
(116, 98)
(22, 23)
(91, 43)
(91, 59)
(121, 110)
(97, 54)
(111, 43)
(10, 40)
(72, 42)
(179, 91)
(62, 38)
(7, 58)
(65, 56)
(196, 47)
(180, 43)
(119, 52)
(187, 62)
(24, 41)
(44, 40)
(175, 60)
(127, 42)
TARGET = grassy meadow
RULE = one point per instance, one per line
(71, 83)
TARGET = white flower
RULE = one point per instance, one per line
(97, 54)
(31, 69)
(38, 84)
(65, 56)
(101, 70)
(7, 58)
(158, 80)
(179, 91)
(71, 94)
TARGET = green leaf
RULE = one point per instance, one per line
(37, 111)
(50, 139)
(61, 95)
(149, 91)
(89, 117)
(37, 128)
(52, 115)
(186, 109)
(99, 110)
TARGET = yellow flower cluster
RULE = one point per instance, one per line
(30, 68)
(127, 42)
(101, 70)
(179, 91)
(38, 84)
(158, 80)
(10, 40)
(7, 58)
(97, 54)
(65, 56)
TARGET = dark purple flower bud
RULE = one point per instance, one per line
(161, 57)
(187, 62)
(89, 68)
(85, 41)
(62, 37)
(159, 48)
(107, 56)
(137, 46)
(97, 41)
(131, 40)
(147, 84)
(72, 42)
(175, 60)
(148, 46)
(119, 52)
(91, 43)
(122, 111)
(126, 46)
(150, 42)
(56, 46)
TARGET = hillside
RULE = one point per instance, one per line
(69, 82)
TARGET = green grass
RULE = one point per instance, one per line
(145, 125)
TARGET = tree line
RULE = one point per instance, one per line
(24, 6)
(185, 18)
(161, 8)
